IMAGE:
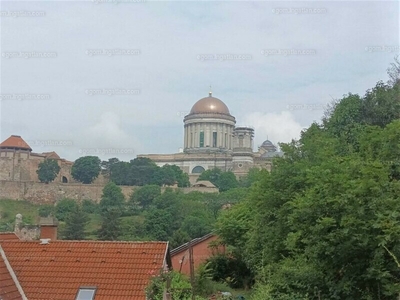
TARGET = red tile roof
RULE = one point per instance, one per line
(8, 289)
(5, 236)
(15, 142)
(119, 270)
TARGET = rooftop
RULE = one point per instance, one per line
(15, 142)
(57, 270)
(210, 104)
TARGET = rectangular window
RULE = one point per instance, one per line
(86, 294)
(202, 139)
(214, 139)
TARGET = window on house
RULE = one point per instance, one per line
(86, 293)
(214, 139)
(202, 139)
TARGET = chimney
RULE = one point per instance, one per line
(48, 228)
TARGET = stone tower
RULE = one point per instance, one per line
(242, 155)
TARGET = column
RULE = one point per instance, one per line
(185, 137)
(191, 136)
(219, 134)
(229, 137)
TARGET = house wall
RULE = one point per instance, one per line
(201, 252)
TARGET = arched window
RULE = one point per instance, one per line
(198, 170)
(64, 179)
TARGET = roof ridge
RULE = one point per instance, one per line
(12, 274)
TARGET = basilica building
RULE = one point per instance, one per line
(212, 139)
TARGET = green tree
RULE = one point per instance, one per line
(86, 169)
(46, 210)
(143, 171)
(75, 223)
(48, 170)
(159, 224)
(144, 196)
(112, 197)
(223, 180)
(211, 175)
(111, 227)
(251, 177)
(64, 207)
(89, 206)
(227, 181)
(107, 167)
(196, 226)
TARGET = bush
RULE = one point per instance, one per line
(46, 210)
(64, 207)
(89, 206)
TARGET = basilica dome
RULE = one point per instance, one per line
(210, 104)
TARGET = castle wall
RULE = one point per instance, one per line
(22, 166)
(41, 193)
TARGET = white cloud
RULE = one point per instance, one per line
(277, 127)
(107, 139)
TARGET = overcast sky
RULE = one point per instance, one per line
(172, 52)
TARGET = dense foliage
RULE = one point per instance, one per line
(325, 223)
(48, 170)
(222, 180)
(75, 224)
(143, 171)
(86, 169)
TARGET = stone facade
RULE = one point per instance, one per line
(211, 139)
(42, 193)
(19, 163)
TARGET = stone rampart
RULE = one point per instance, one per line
(42, 193)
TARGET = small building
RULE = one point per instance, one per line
(202, 250)
(80, 270)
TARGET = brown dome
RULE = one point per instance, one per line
(210, 105)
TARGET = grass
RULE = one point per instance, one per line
(10, 208)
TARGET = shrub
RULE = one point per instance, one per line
(89, 206)
(46, 210)
(64, 207)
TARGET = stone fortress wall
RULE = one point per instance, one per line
(42, 193)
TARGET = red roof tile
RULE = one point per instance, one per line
(8, 289)
(119, 270)
(15, 141)
(5, 236)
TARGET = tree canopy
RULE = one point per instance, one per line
(223, 180)
(325, 223)
(86, 169)
(48, 170)
(143, 171)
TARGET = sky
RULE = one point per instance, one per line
(115, 79)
